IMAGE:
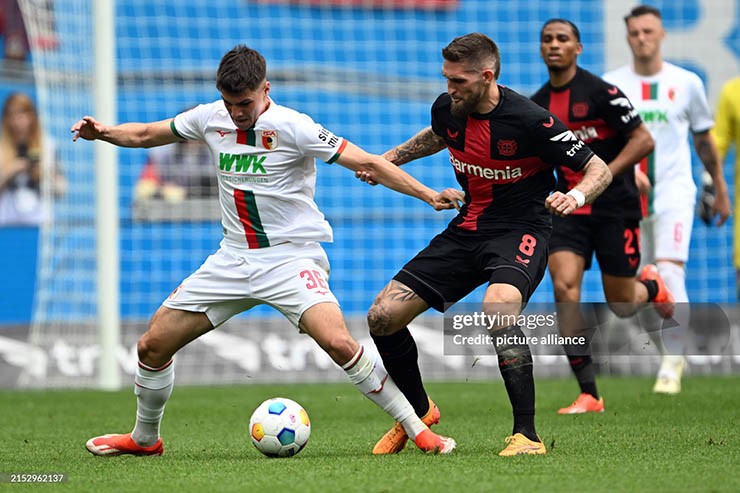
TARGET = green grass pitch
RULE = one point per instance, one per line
(643, 442)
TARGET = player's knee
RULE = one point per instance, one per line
(151, 351)
(341, 348)
(379, 320)
(145, 348)
(566, 291)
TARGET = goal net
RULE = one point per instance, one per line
(367, 70)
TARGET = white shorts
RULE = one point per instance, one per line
(289, 277)
(666, 235)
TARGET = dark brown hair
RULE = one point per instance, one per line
(241, 69)
(475, 49)
(641, 10)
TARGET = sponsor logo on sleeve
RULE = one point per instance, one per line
(564, 137)
(625, 103)
(327, 137)
(569, 136)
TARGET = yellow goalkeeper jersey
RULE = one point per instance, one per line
(726, 131)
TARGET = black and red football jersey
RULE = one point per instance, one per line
(504, 160)
(602, 116)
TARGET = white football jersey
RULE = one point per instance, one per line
(267, 174)
(671, 103)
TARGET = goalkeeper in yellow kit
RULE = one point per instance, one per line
(726, 131)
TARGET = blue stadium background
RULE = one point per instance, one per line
(376, 231)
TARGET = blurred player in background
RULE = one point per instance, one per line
(672, 101)
(503, 148)
(270, 253)
(600, 115)
(726, 132)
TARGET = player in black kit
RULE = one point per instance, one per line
(503, 148)
(601, 115)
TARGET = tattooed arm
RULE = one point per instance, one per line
(595, 180)
(707, 151)
(425, 143)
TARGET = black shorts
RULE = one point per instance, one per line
(616, 242)
(456, 262)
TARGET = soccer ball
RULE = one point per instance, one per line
(279, 427)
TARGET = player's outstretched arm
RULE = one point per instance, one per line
(425, 143)
(707, 151)
(380, 170)
(595, 180)
(126, 134)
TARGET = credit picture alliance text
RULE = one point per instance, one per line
(494, 340)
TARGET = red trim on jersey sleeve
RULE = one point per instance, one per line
(339, 152)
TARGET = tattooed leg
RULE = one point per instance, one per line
(392, 310)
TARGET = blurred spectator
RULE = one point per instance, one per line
(13, 29)
(727, 133)
(178, 171)
(26, 158)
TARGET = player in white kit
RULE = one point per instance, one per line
(264, 155)
(672, 102)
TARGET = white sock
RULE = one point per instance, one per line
(152, 386)
(374, 382)
(674, 338)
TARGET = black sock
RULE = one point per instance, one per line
(652, 289)
(583, 369)
(400, 358)
(515, 364)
